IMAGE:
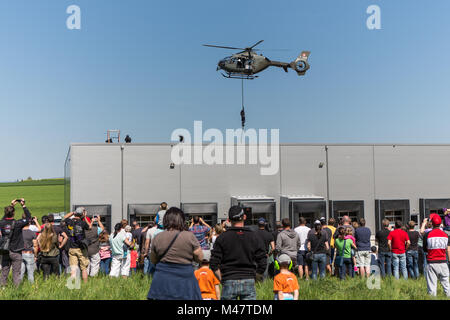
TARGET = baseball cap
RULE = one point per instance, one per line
(435, 220)
(235, 213)
(283, 258)
(317, 222)
(79, 211)
(261, 221)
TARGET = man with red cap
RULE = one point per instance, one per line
(435, 243)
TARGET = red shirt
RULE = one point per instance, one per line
(398, 239)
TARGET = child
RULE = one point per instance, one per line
(349, 235)
(285, 284)
(133, 258)
(373, 259)
(105, 252)
(207, 281)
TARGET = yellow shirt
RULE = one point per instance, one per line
(333, 230)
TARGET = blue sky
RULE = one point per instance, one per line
(139, 66)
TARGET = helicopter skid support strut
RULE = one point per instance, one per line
(247, 77)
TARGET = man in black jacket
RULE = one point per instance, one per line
(13, 229)
(238, 257)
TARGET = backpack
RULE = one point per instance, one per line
(76, 235)
(5, 240)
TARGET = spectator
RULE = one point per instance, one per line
(398, 242)
(349, 235)
(362, 236)
(49, 250)
(160, 215)
(435, 243)
(238, 257)
(384, 253)
(412, 254)
(94, 245)
(208, 283)
(269, 244)
(173, 252)
(78, 253)
(330, 234)
(285, 283)
(217, 231)
(344, 253)
(288, 242)
(149, 267)
(374, 263)
(278, 229)
(133, 257)
(345, 223)
(302, 231)
(62, 240)
(446, 219)
(11, 254)
(29, 253)
(104, 252)
(318, 246)
(201, 231)
(120, 262)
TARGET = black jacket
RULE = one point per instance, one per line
(239, 254)
(16, 240)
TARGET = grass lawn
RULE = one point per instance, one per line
(42, 197)
(136, 288)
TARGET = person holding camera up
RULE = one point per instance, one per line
(78, 254)
(201, 231)
(11, 242)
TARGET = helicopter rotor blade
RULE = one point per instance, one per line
(223, 47)
(255, 44)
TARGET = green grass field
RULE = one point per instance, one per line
(48, 196)
(42, 197)
(136, 288)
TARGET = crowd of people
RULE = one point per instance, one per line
(189, 259)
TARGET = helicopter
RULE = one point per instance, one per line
(247, 63)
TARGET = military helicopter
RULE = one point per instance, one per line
(247, 63)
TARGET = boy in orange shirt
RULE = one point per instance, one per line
(207, 281)
(285, 284)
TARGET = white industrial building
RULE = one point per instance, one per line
(129, 181)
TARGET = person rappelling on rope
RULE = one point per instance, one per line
(243, 117)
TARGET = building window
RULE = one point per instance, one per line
(394, 215)
(354, 215)
(144, 220)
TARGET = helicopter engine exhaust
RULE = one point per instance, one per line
(300, 64)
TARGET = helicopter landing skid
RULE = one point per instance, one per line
(244, 77)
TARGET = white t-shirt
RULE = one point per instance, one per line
(302, 232)
(33, 228)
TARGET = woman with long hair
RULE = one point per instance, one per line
(343, 249)
(173, 251)
(318, 245)
(49, 250)
(120, 265)
(217, 231)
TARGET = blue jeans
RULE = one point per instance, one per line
(331, 256)
(319, 260)
(347, 263)
(382, 258)
(149, 267)
(412, 261)
(104, 265)
(29, 265)
(243, 289)
(399, 262)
